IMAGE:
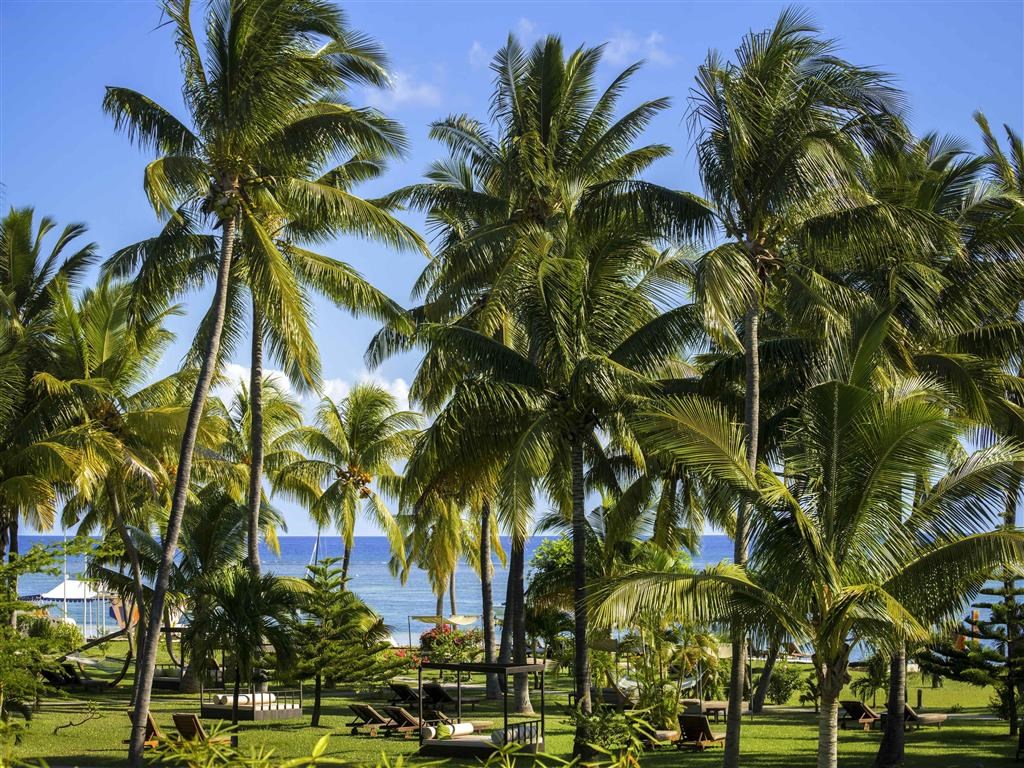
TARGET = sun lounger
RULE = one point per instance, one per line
(407, 723)
(915, 719)
(191, 729)
(404, 696)
(695, 733)
(439, 698)
(857, 712)
(153, 733)
(368, 719)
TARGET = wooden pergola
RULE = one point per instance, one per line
(535, 727)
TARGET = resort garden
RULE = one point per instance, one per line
(818, 351)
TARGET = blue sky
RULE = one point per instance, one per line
(58, 152)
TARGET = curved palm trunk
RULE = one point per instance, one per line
(138, 593)
(255, 438)
(440, 609)
(737, 677)
(507, 626)
(487, 595)
(521, 690)
(581, 658)
(761, 693)
(148, 652)
(891, 749)
(451, 593)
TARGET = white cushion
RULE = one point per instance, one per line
(462, 729)
(428, 731)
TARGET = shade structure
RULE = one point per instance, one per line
(456, 620)
(69, 589)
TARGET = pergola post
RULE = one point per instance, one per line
(419, 690)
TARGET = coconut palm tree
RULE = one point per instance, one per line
(28, 275)
(350, 451)
(849, 556)
(256, 102)
(245, 613)
(780, 135)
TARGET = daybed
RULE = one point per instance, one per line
(252, 706)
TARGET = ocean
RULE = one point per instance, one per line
(369, 577)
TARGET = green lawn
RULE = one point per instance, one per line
(775, 739)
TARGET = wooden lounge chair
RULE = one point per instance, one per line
(368, 719)
(438, 697)
(153, 733)
(857, 712)
(695, 733)
(915, 720)
(191, 729)
(407, 723)
(404, 696)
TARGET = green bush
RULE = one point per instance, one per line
(60, 637)
(784, 683)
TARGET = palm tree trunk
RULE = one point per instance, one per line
(238, 690)
(487, 595)
(318, 684)
(752, 415)
(1013, 629)
(148, 653)
(13, 553)
(757, 702)
(255, 438)
(521, 700)
(138, 590)
(507, 625)
(828, 731)
(440, 609)
(581, 657)
(451, 593)
(891, 748)
(346, 559)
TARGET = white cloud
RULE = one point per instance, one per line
(626, 47)
(339, 388)
(234, 376)
(405, 91)
(478, 57)
(525, 27)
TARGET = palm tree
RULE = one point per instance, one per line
(779, 140)
(28, 276)
(850, 559)
(96, 380)
(255, 103)
(245, 613)
(350, 452)
(560, 164)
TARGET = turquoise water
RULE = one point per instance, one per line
(370, 578)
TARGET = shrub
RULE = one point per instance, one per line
(449, 645)
(783, 684)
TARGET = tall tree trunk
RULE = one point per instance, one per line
(148, 653)
(238, 691)
(761, 693)
(828, 731)
(255, 438)
(581, 657)
(487, 595)
(318, 685)
(13, 551)
(346, 558)
(451, 593)
(752, 415)
(440, 609)
(891, 749)
(522, 703)
(1013, 629)
(138, 589)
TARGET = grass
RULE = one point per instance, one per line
(775, 739)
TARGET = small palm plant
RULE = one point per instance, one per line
(245, 614)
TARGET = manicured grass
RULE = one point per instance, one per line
(775, 739)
